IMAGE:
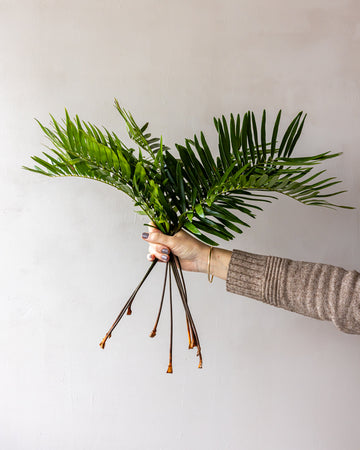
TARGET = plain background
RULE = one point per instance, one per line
(71, 250)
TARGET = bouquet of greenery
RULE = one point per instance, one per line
(193, 190)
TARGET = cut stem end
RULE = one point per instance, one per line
(102, 343)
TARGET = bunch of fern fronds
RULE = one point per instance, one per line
(192, 190)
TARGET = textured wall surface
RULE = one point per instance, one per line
(71, 250)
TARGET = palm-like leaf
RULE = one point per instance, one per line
(194, 191)
(247, 165)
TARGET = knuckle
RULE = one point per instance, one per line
(159, 248)
(153, 236)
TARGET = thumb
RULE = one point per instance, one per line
(155, 236)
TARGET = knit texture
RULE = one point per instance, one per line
(321, 291)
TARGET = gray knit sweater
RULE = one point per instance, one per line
(317, 290)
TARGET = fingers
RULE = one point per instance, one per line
(157, 248)
(160, 257)
(159, 251)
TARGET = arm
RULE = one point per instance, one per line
(321, 291)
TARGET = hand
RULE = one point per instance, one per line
(191, 252)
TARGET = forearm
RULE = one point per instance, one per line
(316, 290)
(219, 262)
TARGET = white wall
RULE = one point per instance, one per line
(71, 250)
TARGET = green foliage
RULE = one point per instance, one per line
(193, 190)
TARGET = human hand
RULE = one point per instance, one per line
(191, 252)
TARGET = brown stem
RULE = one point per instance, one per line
(170, 369)
(127, 304)
(174, 267)
(191, 334)
(153, 333)
(186, 307)
(129, 311)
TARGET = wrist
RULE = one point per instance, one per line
(219, 261)
(203, 258)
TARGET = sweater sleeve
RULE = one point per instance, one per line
(321, 291)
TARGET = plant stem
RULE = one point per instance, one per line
(170, 370)
(190, 331)
(127, 304)
(183, 296)
(174, 266)
(153, 333)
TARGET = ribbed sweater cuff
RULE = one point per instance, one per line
(246, 274)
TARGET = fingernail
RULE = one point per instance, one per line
(165, 250)
(164, 257)
(145, 235)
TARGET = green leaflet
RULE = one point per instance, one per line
(263, 135)
(209, 157)
(191, 227)
(213, 230)
(180, 184)
(274, 135)
(125, 168)
(244, 137)
(289, 133)
(206, 162)
(199, 210)
(139, 175)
